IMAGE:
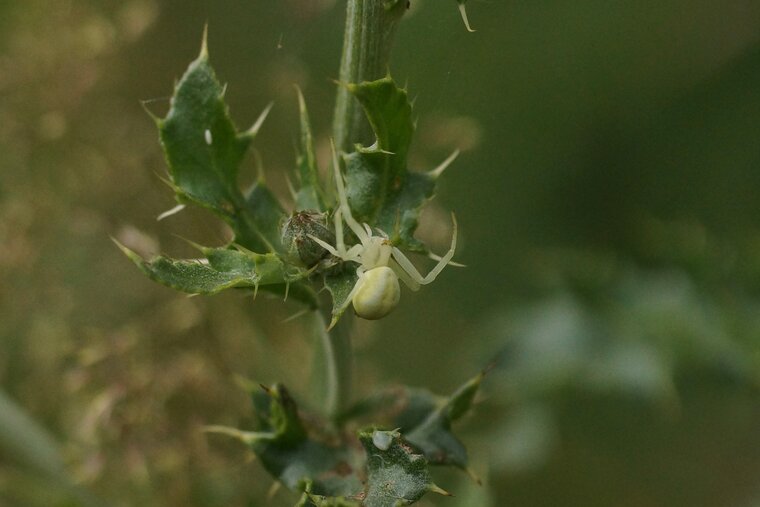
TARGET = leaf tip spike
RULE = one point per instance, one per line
(435, 173)
(251, 132)
(132, 255)
(153, 116)
(463, 12)
(301, 101)
(121, 246)
(471, 473)
(204, 43)
(166, 214)
(434, 488)
(246, 437)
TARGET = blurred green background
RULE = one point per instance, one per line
(608, 200)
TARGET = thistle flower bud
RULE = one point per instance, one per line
(296, 237)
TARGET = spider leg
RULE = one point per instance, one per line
(326, 246)
(449, 255)
(410, 272)
(437, 258)
(339, 243)
(435, 173)
(350, 221)
(354, 253)
(407, 265)
(404, 276)
(463, 12)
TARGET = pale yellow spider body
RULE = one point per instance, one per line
(377, 291)
(377, 294)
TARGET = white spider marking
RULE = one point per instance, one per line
(207, 137)
(376, 292)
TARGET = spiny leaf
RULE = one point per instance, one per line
(310, 195)
(295, 458)
(403, 407)
(283, 416)
(258, 223)
(204, 151)
(390, 114)
(433, 436)
(329, 475)
(223, 268)
(395, 474)
(381, 191)
(384, 471)
(308, 499)
(339, 282)
(424, 418)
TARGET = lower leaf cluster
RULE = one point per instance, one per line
(372, 468)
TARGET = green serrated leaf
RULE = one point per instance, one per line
(339, 282)
(309, 499)
(333, 472)
(310, 195)
(283, 417)
(380, 189)
(193, 276)
(390, 114)
(291, 455)
(424, 418)
(395, 474)
(204, 151)
(258, 224)
(224, 268)
(402, 407)
(433, 435)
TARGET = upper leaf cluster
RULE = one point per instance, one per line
(204, 152)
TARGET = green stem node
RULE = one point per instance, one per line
(370, 26)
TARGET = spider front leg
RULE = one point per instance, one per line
(355, 226)
(339, 250)
(340, 245)
(412, 274)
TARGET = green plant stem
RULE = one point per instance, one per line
(338, 363)
(370, 26)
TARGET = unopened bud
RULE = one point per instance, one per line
(296, 236)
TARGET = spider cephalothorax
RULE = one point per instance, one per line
(376, 292)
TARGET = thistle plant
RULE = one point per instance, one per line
(347, 233)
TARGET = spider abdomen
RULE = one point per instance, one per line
(378, 293)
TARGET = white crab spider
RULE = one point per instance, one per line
(376, 292)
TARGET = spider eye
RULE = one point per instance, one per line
(377, 294)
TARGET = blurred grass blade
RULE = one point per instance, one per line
(26, 443)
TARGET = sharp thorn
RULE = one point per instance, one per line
(435, 173)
